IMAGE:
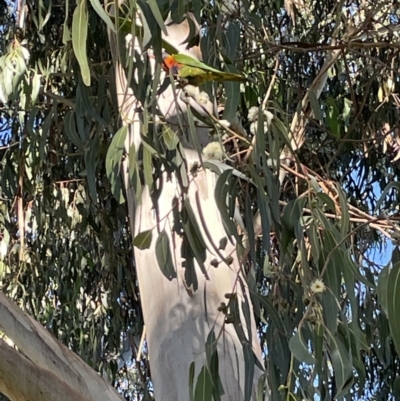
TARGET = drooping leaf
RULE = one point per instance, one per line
(249, 363)
(194, 235)
(382, 198)
(91, 160)
(222, 191)
(147, 167)
(318, 344)
(191, 380)
(113, 160)
(102, 14)
(315, 106)
(204, 387)
(300, 350)
(271, 312)
(143, 239)
(232, 90)
(232, 40)
(341, 364)
(332, 117)
(396, 387)
(393, 304)
(157, 15)
(188, 262)
(382, 289)
(79, 37)
(213, 365)
(164, 256)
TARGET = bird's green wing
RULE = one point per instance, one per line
(192, 62)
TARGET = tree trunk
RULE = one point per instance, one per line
(43, 368)
(178, 316)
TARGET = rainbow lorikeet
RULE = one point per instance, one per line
(194, 72)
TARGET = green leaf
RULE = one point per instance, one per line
(395, 255)
(293, 212)
(222, 188)
(344, 208)
(347, 107)
(203, 391)
(36, 79)
(66, 31)
(188, 260)
(300, 349)
(396, 388)
(211, 345)
(84, 106)
(193, 131)
(113, 160)
(91, 163)
(349, 263)
(270, 312)
(170, 138)
(332, 279)
(232, 40)
(147, 167)
(355, 331)
(194, 235)
(280, 353)
(332, 117)
(102, 14)
(342, 365)
(381, 199)
(318, 343)
(157, 15)
(315, 106)
(164, 256)
(191, 380)
(393, 300)
(248, 218)
(143, 239)
(248, 355)
(232, 99)
(134, 174)
(383, 282)
(263, 203)
(213, 365)
(45, 132)
(79, 37)
(326, 201)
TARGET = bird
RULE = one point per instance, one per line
(193, 72)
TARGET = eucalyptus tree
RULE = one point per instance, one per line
(224, 232)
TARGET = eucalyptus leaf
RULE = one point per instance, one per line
(143, 240)
(315, 106)
(341, 363)
(382, 289)
(194, 235)
(204, 387)
(299, 349)
(393, 304)
(102, 14)
(164, 256)
(113, 160)
(91, 160)
(79, 37)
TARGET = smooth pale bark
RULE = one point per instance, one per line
(44, 355)
(179, 319)
(21, 379)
